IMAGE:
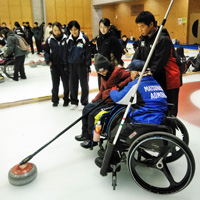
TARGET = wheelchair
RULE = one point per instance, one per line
(7, 65)
(157, 156)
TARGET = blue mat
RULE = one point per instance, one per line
(185, 46)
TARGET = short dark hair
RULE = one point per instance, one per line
(145, 17)
(73, 23)
(36, 23)
(105, 21)
(124, 36)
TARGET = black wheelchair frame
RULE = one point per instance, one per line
(7, 67)
(150, 150)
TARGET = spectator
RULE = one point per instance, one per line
(42, 30)
(29, 35)
(124, 42)
(79, 59)
(108, 44)
(93, 44)
(3, 26)
(55, 56)
(48, 29)
(18, 30)
(37, 33)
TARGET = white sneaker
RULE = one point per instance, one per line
(73, 107)
(80, 107)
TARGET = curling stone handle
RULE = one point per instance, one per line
(25, 160)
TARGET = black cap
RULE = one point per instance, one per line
(100, 62)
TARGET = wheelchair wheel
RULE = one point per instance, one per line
(181, 131)
(154, 173)
(9, 68)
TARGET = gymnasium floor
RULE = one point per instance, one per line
(65, 170)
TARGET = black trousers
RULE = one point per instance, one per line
(78, 72)
(19, 67)
(38, 45)
(172, 97)
(59, 72)
(30, 42)
(88, 121)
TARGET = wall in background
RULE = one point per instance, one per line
(119, 13)
(15, 10)
(120, 16)
(64, 11)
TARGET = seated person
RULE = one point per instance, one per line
(149, 105)
(124, 42)
(110, 77)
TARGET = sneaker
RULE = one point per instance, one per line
(55, 104)
(65, 104)
(80, 107)
(73, 107)
(101, 152)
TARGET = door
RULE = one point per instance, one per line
(194, 28)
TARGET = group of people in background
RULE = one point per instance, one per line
(68, 52)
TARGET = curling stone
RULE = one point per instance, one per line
(22, 174)
(39, 62)
(43, 63)
(32, 63)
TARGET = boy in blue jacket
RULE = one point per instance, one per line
(149, 105)
(150, 99)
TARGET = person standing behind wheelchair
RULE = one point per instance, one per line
(55, 54)
(79, 59)
(110, 76)
(13, 47)
(163, 61)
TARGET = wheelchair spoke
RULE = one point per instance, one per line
(168, 175)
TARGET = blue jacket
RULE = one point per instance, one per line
(150, 100)
(79, 51)
(55, 51)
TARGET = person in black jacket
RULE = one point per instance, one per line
(37, 33)
(108, 44)
(124, 42)
(29, 35)
(55, 54)
(18, 30)
(79, 59)
(163, 61)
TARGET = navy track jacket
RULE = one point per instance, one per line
(150, 101)
(79, 50)
(55, 51)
